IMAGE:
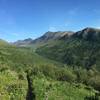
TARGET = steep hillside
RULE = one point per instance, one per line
(89, 34)
(80, 49)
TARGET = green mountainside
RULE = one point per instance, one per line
(65, 68)
(80, 49)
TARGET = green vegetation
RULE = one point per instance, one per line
(81, 49)
(59, 85)
(48, 79)
(74, 52)
(21, 58)
(73, 73)
(11, 87)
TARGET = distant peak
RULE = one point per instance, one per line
(91, 28)
(28, 39)
(91, 34)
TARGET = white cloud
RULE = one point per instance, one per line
(52, 28)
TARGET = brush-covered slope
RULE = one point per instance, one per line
(40, 84)
(26, 75)
(20, 58)
(80, 49)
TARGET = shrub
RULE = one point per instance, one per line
(66, 75)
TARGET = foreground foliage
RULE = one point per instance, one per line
(24, 73)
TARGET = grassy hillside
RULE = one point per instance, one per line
(48, 80)
(17, 57)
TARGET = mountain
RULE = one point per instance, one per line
(73, 48)
(23, 42)
(80, 49)
(27, 75)
(91, 34)
(47, 37)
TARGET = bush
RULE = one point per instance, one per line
(95, 82)
(66, 75)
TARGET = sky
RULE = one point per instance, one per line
(21, 19)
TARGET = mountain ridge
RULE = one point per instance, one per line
(88, 33)
(48, 36)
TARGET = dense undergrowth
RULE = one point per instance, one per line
(24, 73)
